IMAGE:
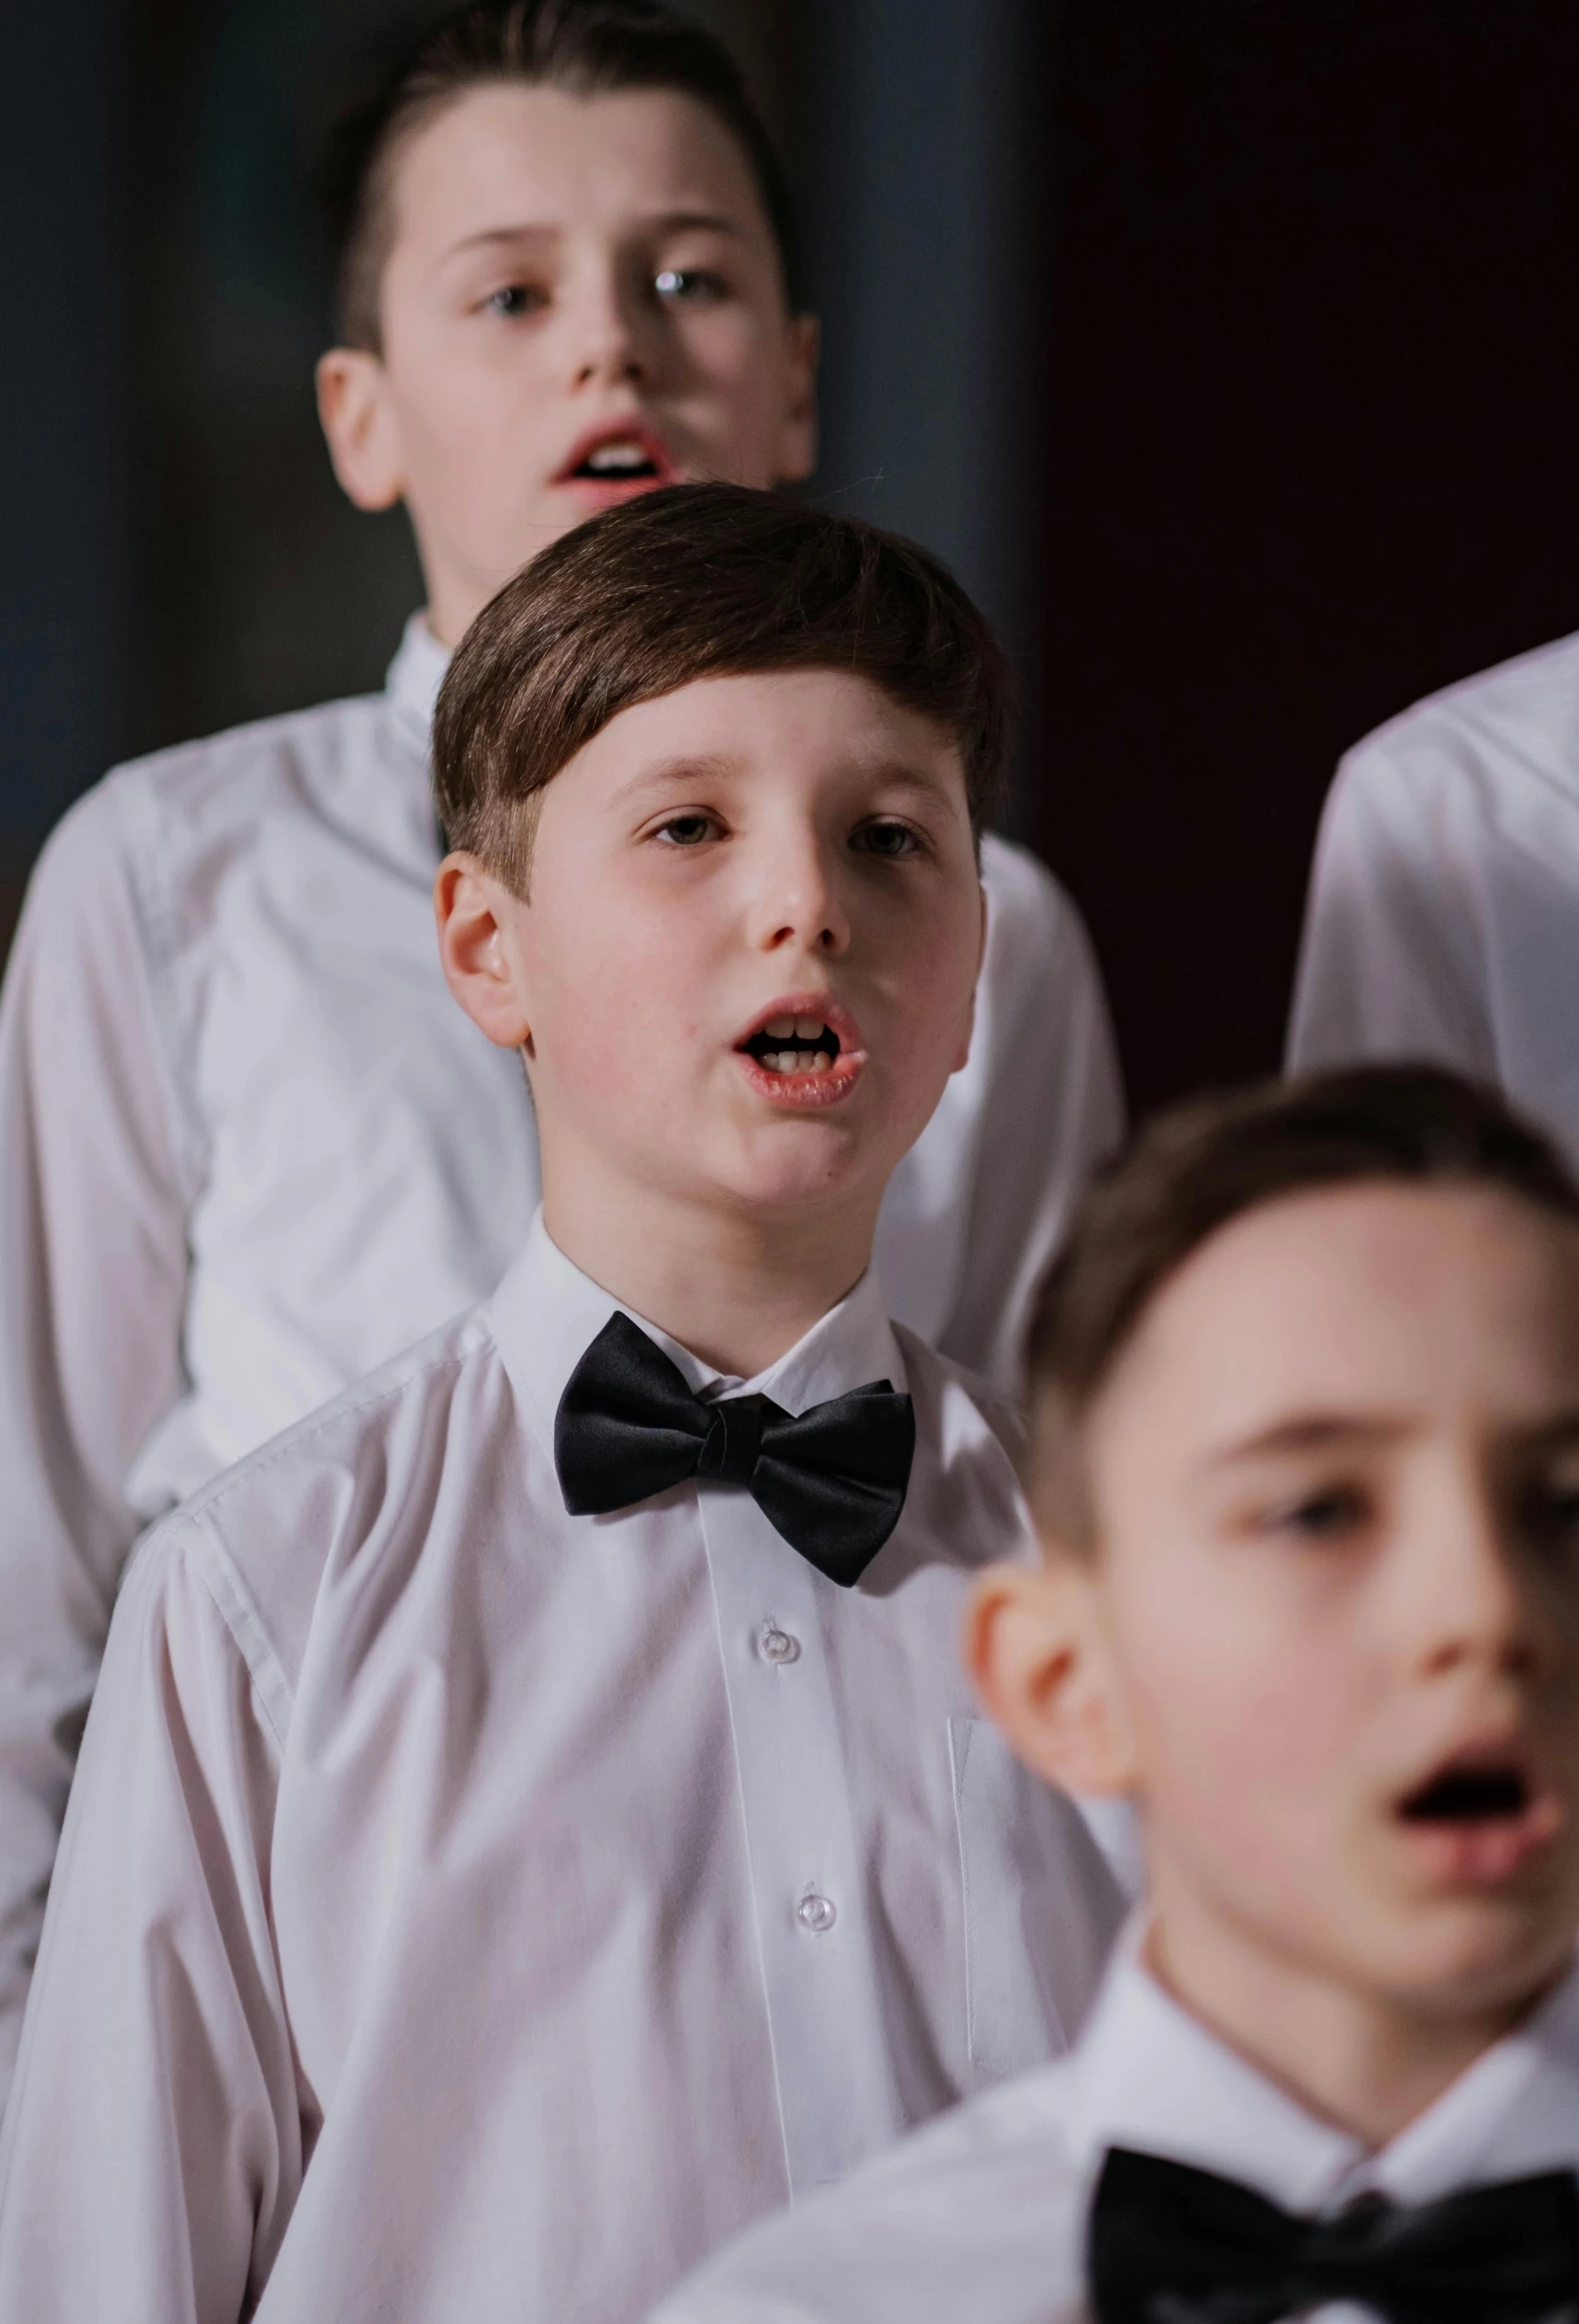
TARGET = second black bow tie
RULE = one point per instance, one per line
(831, 1480)
(1173, 2245)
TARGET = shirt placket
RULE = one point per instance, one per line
(836, 2096)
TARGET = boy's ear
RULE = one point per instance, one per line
(470, 910)
(363, 433)
(797, 438)
(1035, 1650)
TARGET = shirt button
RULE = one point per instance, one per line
(815, 1913)
(775, 1645)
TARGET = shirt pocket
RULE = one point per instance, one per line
(1042, 1906)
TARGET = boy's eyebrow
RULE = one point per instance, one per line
(1313, 1432)
(1320, 1431)
(712, 766)
(662, 222)
(680, 766)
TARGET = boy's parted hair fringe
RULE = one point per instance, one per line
(699, 581)
(1202, 1165)
(590, 48)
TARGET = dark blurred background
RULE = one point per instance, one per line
(1228, 347)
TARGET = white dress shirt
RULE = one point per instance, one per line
(467, 1911)
(982, 2218)
(1443, 920)
(250, 1148)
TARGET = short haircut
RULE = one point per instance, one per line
(591, 48)
(1203, 1164)
(697, 581)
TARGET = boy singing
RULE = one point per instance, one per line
(249, 1148)
(1305, 1467)
(531, 1818)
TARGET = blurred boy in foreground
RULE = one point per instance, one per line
(1305, 1467)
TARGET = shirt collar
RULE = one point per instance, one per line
(1150, 2076)
(546, 1314)
(415, 678)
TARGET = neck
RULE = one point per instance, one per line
(738, 1288)
(1363, 2061)
(455, 599)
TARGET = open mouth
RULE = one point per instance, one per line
(794, 1045)
(619, 457)
(1479, 1819)
(615, 463)
(1470, 1794)
(804, 1052)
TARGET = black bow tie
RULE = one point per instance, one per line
(1172, 2245)
(832, 1482)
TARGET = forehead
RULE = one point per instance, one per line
(515, 156)
(1431, 1305)
(814, 723)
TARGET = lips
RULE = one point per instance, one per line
(1482, 1815)
(802, 1052)
(616, 460)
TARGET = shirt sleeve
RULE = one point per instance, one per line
(1392, 958)
(93, 1264)
(151, 2148)
(1054, 1111)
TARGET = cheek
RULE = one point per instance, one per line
(934, 970)
(473, 425)
(735, 376)
(1242, 1712)
(617, 988)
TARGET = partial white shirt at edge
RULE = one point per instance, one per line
(470, 1911)
(981, 2220)
(1443, 916)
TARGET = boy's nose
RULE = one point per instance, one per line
(800, 903)
(605, 339)
(1470, 1601)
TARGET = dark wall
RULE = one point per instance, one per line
(1314, 429)
(924, 193)
(66, 640)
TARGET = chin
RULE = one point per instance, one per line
(1472, 1959)
(797, 1172)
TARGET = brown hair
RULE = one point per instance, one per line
(1200, 1165)
(697, 581)
(591, 48)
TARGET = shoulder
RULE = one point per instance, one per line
(230, 779)
(978, 2215)
(1024, 900)
(1037, 945)
(1514, 724)
(351, 1487)
(181, 801)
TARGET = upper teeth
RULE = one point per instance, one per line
(789, 1028)
(620, 455)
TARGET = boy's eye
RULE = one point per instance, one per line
(686, 830)
(690, 284)
(1549, 1513)
(515, 299)
(888, 839)
(1323, 1517)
